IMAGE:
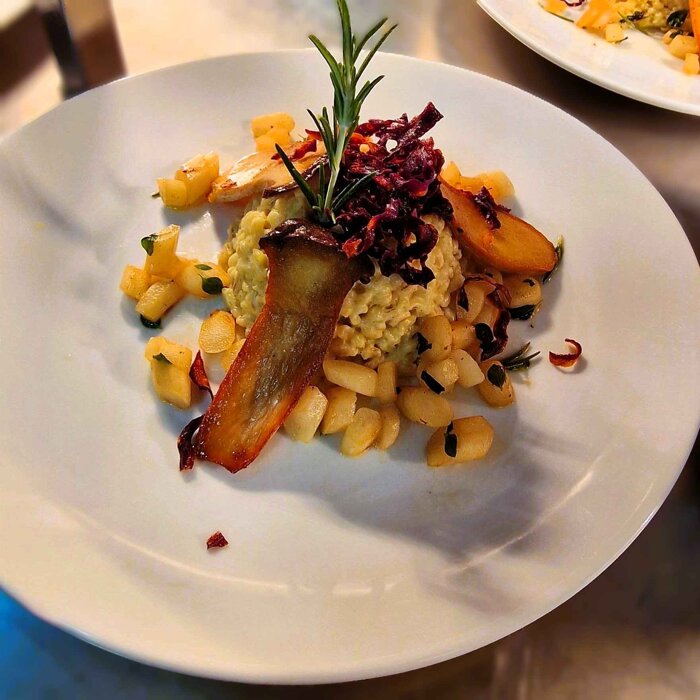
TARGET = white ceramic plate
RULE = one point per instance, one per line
(640, 68)
(337, 569)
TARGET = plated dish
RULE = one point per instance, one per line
(334, 569)
(643, 50)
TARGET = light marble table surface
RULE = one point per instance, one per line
(634, 633)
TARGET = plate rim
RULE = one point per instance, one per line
(587, 74)
(381, 666)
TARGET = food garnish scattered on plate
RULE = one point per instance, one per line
(675, 22)
(366, 281)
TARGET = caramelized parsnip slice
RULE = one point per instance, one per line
(515, 246)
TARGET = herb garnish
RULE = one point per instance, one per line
(496, 375)
(450, 441)
(423, 343)
(676, 19)
(559, 250)
(148, 242)
(519, 360)
(212, 285)
(149, 324)
(203, 267)
(636, 16)
(347, 103)
(524, 313)
(432, 383)
(162, 358)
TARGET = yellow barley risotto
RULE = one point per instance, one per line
(378, 319)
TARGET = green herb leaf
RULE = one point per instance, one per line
(559, 250)
(519, 360)
(212, 285)
(496, 375)
(347, 103)
(162, 358)
(450, 441)
(149, 324)
(423, 343)
(523, 313)
(148, 242)
(203, 267)
(676, 19)
(155, 195)
(432, 383)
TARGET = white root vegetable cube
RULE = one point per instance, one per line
(198, 173)
(468, 371)
(301, 424)
(361, 433)
(464, 440)
(439, 377)
(387, 373)
(134, 282)
(340, 410)
(157, 299)
(172, 384)
(421, 405)
(202, 280)
(682, 45)
(524, 290)
(691, 66)
(179, 356)
(436, 335)
(350, 375)
(217, 333)
(267, 122)
(496, 389)
(161, 247)
(391, 426)
(173, 193)
(470, 302)
(463, 335)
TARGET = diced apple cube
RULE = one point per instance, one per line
(135, 282)
(157, 299)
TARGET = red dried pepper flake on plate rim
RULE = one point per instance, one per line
(217, 540)
(566, 360)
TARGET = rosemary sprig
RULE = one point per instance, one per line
(519, 360)
(335, 131)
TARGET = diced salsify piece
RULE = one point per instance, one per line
(202, 280)
(391, 426)
(172, 384)
(358, 378)
(463, 440)
(198, 173)
(496, 389)
(340, 410)
(135, 281)
(173, 193)
(303, 421)
(266, 122)
(361, 433)
(422, 406)
(157, 299)
(161, 249)
(178, 355)
(387, 373)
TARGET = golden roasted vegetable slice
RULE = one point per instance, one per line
(308, 281)
(498, 238)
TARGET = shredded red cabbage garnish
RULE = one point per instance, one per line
(488, 207)
(567, 359)
(185, 446)
(198, 375)
(383, 219)
(216, 540)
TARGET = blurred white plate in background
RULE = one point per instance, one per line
(640, 68)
